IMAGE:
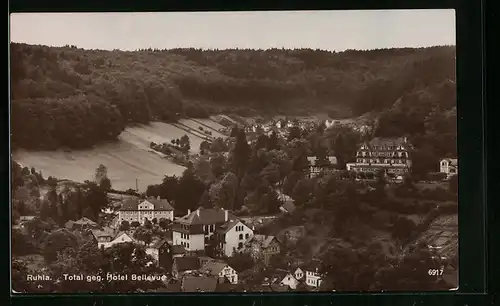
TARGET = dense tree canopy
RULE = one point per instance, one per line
(70, 97)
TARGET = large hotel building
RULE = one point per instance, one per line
(390, 154)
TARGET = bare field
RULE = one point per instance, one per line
(127, 159)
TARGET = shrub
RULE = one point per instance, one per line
(124, 226)
(22, 244)
(135, 224)
(436, 176)
(447, 209)
(403, 228)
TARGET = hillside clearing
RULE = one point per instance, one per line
(127, 159)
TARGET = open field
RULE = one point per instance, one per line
(127, 159)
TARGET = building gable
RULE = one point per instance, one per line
(146, 205)
(298, 273)
(123, 237)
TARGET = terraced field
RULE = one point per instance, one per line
(195, 124)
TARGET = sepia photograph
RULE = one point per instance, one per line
(263, 151)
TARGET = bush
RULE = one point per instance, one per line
(135, 224)
(447, 209)
(436, 176)
(403, 228)
(57, 242)
(22, 244)
(163, 223)
(124, 226)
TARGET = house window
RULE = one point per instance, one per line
(246, 236)
(241, 236)
(240, 245)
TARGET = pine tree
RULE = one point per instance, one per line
(272, 142)
(240, 154)
(321, 157)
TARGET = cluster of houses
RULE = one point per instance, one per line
(202, 273)
(184, 253)
(392, 155)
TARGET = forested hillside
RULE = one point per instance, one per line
(70, 97)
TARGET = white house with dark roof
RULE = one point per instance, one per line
(313, 275)
(156, 248)
(298, 273)
(449, 166)
(263, 247)
(231, 236)
(81, 224)
(141, 209)
(315, 168)
(194, 230)
(221, 271)
(288, 205)
(107, 238)
(290, 281)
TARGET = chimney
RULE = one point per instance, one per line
(158, 197)
(189, 212)
(198, 212)
(225, 215)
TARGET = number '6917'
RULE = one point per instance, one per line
(435, 271)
